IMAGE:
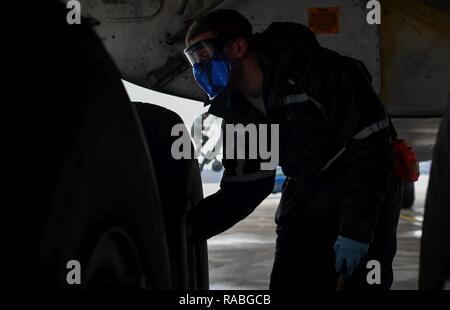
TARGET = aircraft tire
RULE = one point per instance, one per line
(408, 195)
(95, 172)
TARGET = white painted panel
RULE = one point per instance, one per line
(135, 33)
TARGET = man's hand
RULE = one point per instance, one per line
(348, 254)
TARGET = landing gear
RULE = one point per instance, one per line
(217, 166)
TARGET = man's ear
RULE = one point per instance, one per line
(240, 47)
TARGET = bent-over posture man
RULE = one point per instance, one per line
(340, 204)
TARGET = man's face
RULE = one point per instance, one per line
(234, 50)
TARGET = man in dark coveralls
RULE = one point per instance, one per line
(340, 204)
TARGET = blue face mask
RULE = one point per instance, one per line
(210, 67)
(213, 76)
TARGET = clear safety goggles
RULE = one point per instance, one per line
(200, 53)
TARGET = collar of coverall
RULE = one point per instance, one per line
(220, 104)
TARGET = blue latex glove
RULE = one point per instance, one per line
(348, 254)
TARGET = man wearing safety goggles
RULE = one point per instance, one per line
(211, 68)
(340, 205)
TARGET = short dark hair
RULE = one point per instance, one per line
(226, 24)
